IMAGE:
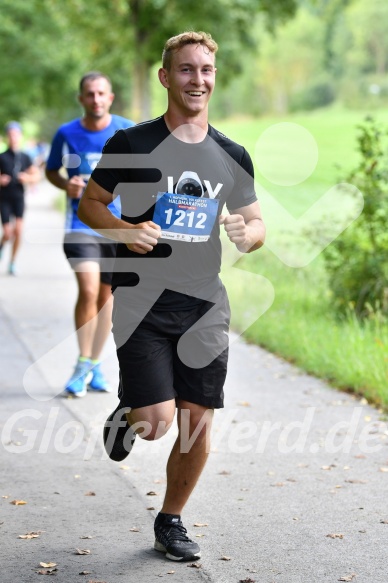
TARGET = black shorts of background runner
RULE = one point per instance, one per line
(79, 247)
(151, 371)
(11, 207)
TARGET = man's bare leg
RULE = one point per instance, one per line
(88, 279)
(104, 320)
(17, 237)
(187, 458)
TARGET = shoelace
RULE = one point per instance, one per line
(81, 369)
(176, 532)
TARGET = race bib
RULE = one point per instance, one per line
(185, 218)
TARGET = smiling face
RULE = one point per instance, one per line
(190, 80)
(96, 98)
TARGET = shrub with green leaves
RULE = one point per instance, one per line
(357, 261)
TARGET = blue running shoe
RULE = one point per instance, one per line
(98, 381)
(77, 384)
(12, 269)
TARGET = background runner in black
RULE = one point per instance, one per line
(16, 170)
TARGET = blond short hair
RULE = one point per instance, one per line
(177, 42)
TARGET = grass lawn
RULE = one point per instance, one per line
(300, 324)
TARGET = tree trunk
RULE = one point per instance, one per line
(141, 96)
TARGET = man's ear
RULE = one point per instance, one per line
(163, 77)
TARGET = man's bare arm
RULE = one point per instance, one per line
(31, 175)
(245, 227)
(73, 186)
(93, 211)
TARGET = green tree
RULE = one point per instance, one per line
(230, 22)
(33, 65)
(45, 45)
(360, 46)
(357, 260)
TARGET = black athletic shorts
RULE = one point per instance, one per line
(155, 367)
(79, 247)
(11, 207)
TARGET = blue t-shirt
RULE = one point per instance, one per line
(78, 150)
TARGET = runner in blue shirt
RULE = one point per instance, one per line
(77, 147)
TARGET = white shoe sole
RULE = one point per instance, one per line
(162, 549)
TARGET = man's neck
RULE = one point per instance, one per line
(96, 124)
(190, 129)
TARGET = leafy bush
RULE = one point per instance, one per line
(357, 261)
(317, 94)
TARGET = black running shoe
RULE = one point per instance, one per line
(118, 435)
(171, 538)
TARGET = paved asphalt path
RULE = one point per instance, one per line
(295, 489)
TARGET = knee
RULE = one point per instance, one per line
(6, 232)
(105, 301)
(87, 295)
(150, 431)
(196, 423)
(18, 229)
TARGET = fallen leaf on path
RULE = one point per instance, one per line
(47, 571)
(86, 536)
(335, 535)
(383, 470)
(200, 524)
(90, 494)
(134, 529)
(124, 467)
(85, 573)
(18, 502)
(249, 580)
(224, 473)
(47, 565)
(225, 558)
(200, 535)
(151, 508)
(170, 572)
(356, 481)
(29, 535)
(195, 565)
(347, 577)
(244, 404)
(82, 552)
(152, 493)
(384, 521)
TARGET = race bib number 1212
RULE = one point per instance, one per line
(185, 218)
